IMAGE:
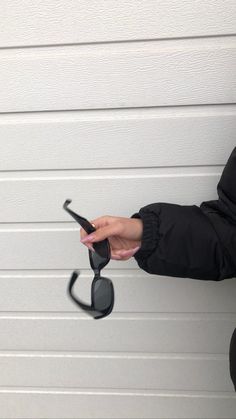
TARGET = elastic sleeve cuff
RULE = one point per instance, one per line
(150, 236)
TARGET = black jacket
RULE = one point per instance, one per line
(191, 241)
(194, 242)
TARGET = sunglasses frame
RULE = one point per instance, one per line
(99, 249)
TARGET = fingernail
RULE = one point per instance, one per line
(91, 247)
(88, 238)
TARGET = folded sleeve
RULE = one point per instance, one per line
(192, 241)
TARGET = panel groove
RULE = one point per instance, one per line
(190, 394)
(222, 107)
(126, 41)
(123, 108)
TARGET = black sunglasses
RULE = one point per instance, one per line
(102, 291)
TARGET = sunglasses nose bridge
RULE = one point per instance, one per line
(96, 272)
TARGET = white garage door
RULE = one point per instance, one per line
(114, 104)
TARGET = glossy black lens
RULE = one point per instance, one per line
(99, 260)
(102, 249)
(102, 294)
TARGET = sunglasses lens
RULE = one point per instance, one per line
(101, 256)
(102, 294)
(102, 249)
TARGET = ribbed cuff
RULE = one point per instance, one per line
(150, 235)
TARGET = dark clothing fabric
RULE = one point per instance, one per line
(191, 241)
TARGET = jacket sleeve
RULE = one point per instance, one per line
(192, 241)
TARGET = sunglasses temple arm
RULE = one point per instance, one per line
(85, 224)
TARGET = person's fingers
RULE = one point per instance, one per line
(128, 252)
(115, 257)
(107, 226)
(98, 223)
(103, 221)
(124, 254)
(103, 233)
(82, 233)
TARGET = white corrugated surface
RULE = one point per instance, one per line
(135, 99)
(61, 22)
(121, 75)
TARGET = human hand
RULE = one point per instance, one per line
(124, 235)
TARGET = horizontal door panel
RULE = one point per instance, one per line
(116, 139)
(60, 22)
(40, 197)
(135, 291)
(132, 333)
(47, 249)
(189, 373)
(164, 73)
(32, 404)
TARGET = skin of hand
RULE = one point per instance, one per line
(124, 235)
